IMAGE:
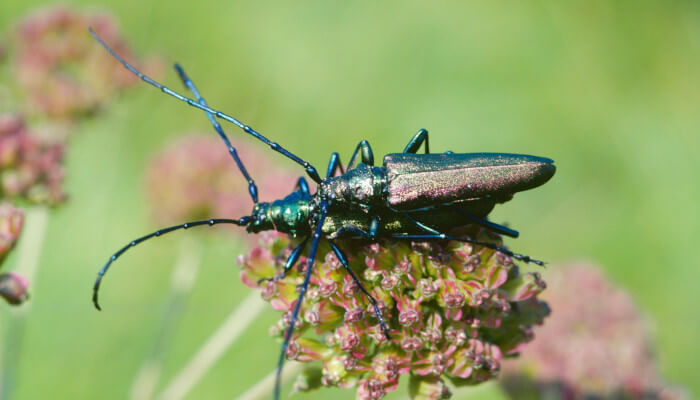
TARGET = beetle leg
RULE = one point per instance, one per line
(366, 154)
(415, 142)
(500, 229)
(303, 186)
(492, 226)
(350, 229)
(442, 236)
(334, 165)
(375, 305)
(302, 291)
(252, 188)
(289, 264)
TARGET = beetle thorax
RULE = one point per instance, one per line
(361, 186)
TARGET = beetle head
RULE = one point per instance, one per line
(288, 215)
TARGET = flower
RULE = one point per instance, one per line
(595, 345)
(196, 178)
(62, 70)
(30, 165)
(454, 311)
(11, 221)
(13, 288)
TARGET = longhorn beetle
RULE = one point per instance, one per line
(411, 197)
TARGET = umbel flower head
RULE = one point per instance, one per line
(454, 311)
(13, 287)
(196, 178)
(30, 166)
(595, 345)
(63, 73)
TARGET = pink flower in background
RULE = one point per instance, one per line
(13, 287)
(196, 178)
(30, 164)
(11, 220)
(61, 70)
(454, 311)
(594, 345)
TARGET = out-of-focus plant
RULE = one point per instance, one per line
(13, 286)
(196, 178)
(58, 75)
(454, 311)
(61, 71)
(595, 345)
(192, 179)
(30, 165)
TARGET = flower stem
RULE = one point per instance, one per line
(27, 264)
(264, 388)
(182, 279)
(214, 348)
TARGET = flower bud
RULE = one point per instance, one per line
(11, 220)
(13, 288)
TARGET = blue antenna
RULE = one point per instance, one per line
(210, 222)
(252, 188)
(310, 169)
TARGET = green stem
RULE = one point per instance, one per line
(182, 279)
(27, 264)
(214, 348)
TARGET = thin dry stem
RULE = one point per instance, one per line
(182, 279)
(215, 347)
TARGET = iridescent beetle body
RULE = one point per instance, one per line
(411, 197)
(429, 187)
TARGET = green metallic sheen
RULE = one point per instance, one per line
(289, 215)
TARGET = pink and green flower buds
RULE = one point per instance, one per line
(30, 165)
(59, 68)
(11, 221)
(596, 344)
(454, 311)
(13, 287)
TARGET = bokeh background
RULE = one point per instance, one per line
(609, 90)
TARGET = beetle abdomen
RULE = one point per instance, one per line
(421, 180)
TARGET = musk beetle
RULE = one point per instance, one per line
(410, 197)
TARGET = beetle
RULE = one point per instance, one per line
(411, 196)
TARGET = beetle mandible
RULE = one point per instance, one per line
(410, 197)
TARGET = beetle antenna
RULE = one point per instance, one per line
(310, 169)
(252, 188)
(243, 221)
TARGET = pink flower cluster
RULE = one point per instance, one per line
(30, 167)
(196, 178)
(595, 345)
(454, 311)
(13, 287)
(62, 71)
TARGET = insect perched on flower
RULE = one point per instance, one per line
(419, 198)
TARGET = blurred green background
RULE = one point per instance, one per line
(609, 90)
